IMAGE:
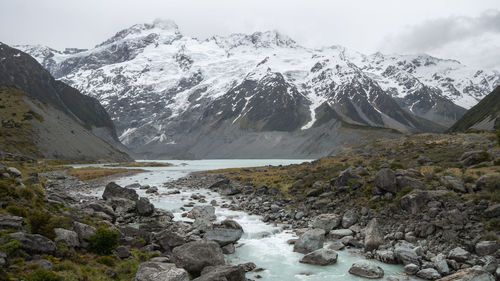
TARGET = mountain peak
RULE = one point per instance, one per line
(165, 24)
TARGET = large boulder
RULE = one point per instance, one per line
(373, 236)
(469, 274)
(156, 271)
(492, 211)
(414, 201)
(453, 184)
(366, 269)
(484, 248)
(116, 191)
(11, 222)
(385, 179)
(84, 231)
(441, 265)
(474, 157)
(459, 255)
(34, 243)
(340, 233)
(144, 207)
(320, 257)
(174, 235)
(405, 254)
(326, 222)
(428, 274)
(349, 218)
(228, 232)
(489, 182)
(345, 176)
(196, 255)
(68, 237)
(311, 240)
(203, 212)
(222, 272)
(412, 183)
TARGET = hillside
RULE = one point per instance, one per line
(483, 116)
(43, 117)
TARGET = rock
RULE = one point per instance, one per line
(228, 249)
(196, 255)
(405, 254)
(414, 201)
(340, 233)
(489, 182)
(103, 208)
(42, 263)
(373, 236)
(350, 218)
(34, 243)
(385, 179)
(492, 211)
(203, 225)
(344, 177)
(326, 222)
(84, 231)
(459, 255)
(114, 190)
(397, 278)
(386, 256)
(122, 252)
(153, 189)
(474, 157)
(156, 271)
(484, 248)
(453, 184)
(144, 207)
(411, 269)
(247, 267)
(410, 182)
(203, 212)
(175, 235)
(14, 172)
(336, 246)
(489, 264)
(299, 215)
(320, 257)
(311, 240)
(11, 222)
(366, 269)
(469, 274)
(441, 265)
(68, 237)
(222, 272)
(122, 205)
(428, 274)
(228, 232)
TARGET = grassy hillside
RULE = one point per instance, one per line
(489, 106)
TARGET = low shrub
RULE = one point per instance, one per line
(43, 275)
(106, 260)
(103, 241)
(17, 211)
(396, 165)
(40, 223)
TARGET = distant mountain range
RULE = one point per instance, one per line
(44, 117)
(260, 94)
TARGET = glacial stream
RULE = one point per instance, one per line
(263, 244)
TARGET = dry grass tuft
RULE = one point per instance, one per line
(89, 173)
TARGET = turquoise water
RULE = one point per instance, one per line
(265, 245)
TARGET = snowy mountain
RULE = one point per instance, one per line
(175, 96)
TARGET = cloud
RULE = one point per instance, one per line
(434, 34)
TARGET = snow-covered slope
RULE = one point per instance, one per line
(166, 91)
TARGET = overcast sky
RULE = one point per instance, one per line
(467, 30)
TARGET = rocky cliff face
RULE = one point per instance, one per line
(65, 118)
(168, 92)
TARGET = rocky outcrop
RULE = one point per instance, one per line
(113, 190)
(34, 243)
(11, 222)
(227, 232)
(195, 256)
(68, 237)
(311, 240)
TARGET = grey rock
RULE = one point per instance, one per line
(222, 272)
(68, 237)
(156, 271)
(492, 211)
(228, 232)
(326, 222)
(349, 218)
(411, 269)
(14, 172)
(311, 240)
(373, 236)
(489, 182)
(405, 254)
(320, 257)
(441, 265)
(386, 256)
(42, 263)
(11, 222)
(122, 205)
(203, 212)
(405, 181)
(385, 179)
(469, 274)
(84, 231)
(144, 207)
(453, 184)
(484, 248)
(228, 249)
(122, 252)
(459, 254)
(114, 190)
(428, 274)
(473, 157)
(366, 269)
(202, 224)
(34, 243)
(196, 255)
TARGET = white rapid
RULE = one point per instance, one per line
(263, 244)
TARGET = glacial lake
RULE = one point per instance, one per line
(263, 244)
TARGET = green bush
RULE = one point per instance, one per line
(17, 211)
(127, 269)
(106, 260)
(396, 165)
(40, 223)
(10, 247)
(43, 275)
(103, 241)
